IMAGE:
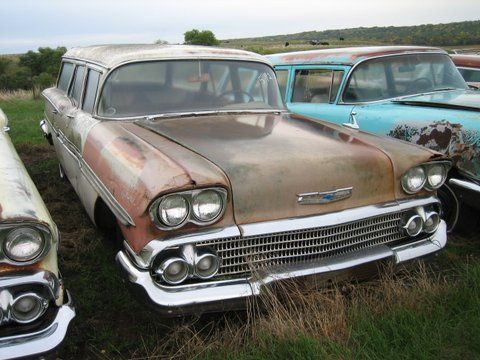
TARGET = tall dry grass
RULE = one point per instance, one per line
(8, 95)
(294, 308)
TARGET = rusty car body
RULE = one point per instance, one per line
(469, 67)
(35, 309)
(412, 93)
(218, 191)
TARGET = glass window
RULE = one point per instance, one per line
(158, 87)
(76, 90)
(90, 90)
(65, 76)
(470, 75)
(394, 76)
(282, 77)
(316, 86)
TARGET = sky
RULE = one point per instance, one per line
(29, 24)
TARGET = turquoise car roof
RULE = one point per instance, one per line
(346, 56)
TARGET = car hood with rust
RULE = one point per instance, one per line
(269, 159)
(450, 99)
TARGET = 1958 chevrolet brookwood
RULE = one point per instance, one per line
(218, 191)
(410, 93)
(35, 310)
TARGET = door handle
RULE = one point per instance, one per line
(54, 111)
(353, 124)
(70, 116)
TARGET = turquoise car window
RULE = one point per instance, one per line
(65, 76)
(282, 77)
(470, 75)
(394, 76)
(316, 86)
(177, 86)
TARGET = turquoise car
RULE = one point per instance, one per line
(410, 93)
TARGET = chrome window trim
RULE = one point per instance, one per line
(468, 68)
(145, 257)
(354, 66)
(117, 209)
(212, 58)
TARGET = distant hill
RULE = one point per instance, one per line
(451, 34)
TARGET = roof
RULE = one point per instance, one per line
(111, 56)
(466, 60)
(346, 56)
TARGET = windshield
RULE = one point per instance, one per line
(160, 87)
(389, 77)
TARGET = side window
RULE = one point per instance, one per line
(316, 86)
(470, 75)
(90, 90)
(65, 76)
(76, 89)
(282, 77)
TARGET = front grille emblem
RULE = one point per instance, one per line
(326, 197)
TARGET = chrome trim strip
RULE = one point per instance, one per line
(117, 209)
(212, 296)
(50, 101)
(330, 219)
(154, 117)
(468, 185)
(44, 278)
(42, 341)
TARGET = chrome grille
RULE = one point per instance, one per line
(242, 255)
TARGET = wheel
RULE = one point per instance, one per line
(450, 207)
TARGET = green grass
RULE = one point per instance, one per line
(413, 316)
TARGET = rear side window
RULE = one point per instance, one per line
(90, 90)
(65, 76)
(76, 90)
(470, 75)
(282, 76)
(316, 86)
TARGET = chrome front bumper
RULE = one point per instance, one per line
(46, 338)
(234, 294)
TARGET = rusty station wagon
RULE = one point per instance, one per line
(218, 191)
(35, 309)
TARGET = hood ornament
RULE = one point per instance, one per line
(324, 197)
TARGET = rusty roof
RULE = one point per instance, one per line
(346, 56)
(467, 60)
(110, 56)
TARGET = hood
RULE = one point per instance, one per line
(270, 159)
(451, 99)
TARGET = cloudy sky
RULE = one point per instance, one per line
(28, 24)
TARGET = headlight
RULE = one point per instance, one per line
(436, 175)
(200, 207)
(173, 210)
(207, 205)
(23, 244)
(414, 180)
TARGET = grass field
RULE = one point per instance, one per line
(428, 311)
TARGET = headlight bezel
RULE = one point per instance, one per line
(426, 169)
(191, 218)
(45, 232)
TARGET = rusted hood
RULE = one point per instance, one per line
(270, 159)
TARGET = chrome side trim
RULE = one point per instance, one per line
(468, 185)
(213, 296)
(42, 341)
(117, 209)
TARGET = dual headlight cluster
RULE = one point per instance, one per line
(430, 176)
(201, 207)
(24, 244)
